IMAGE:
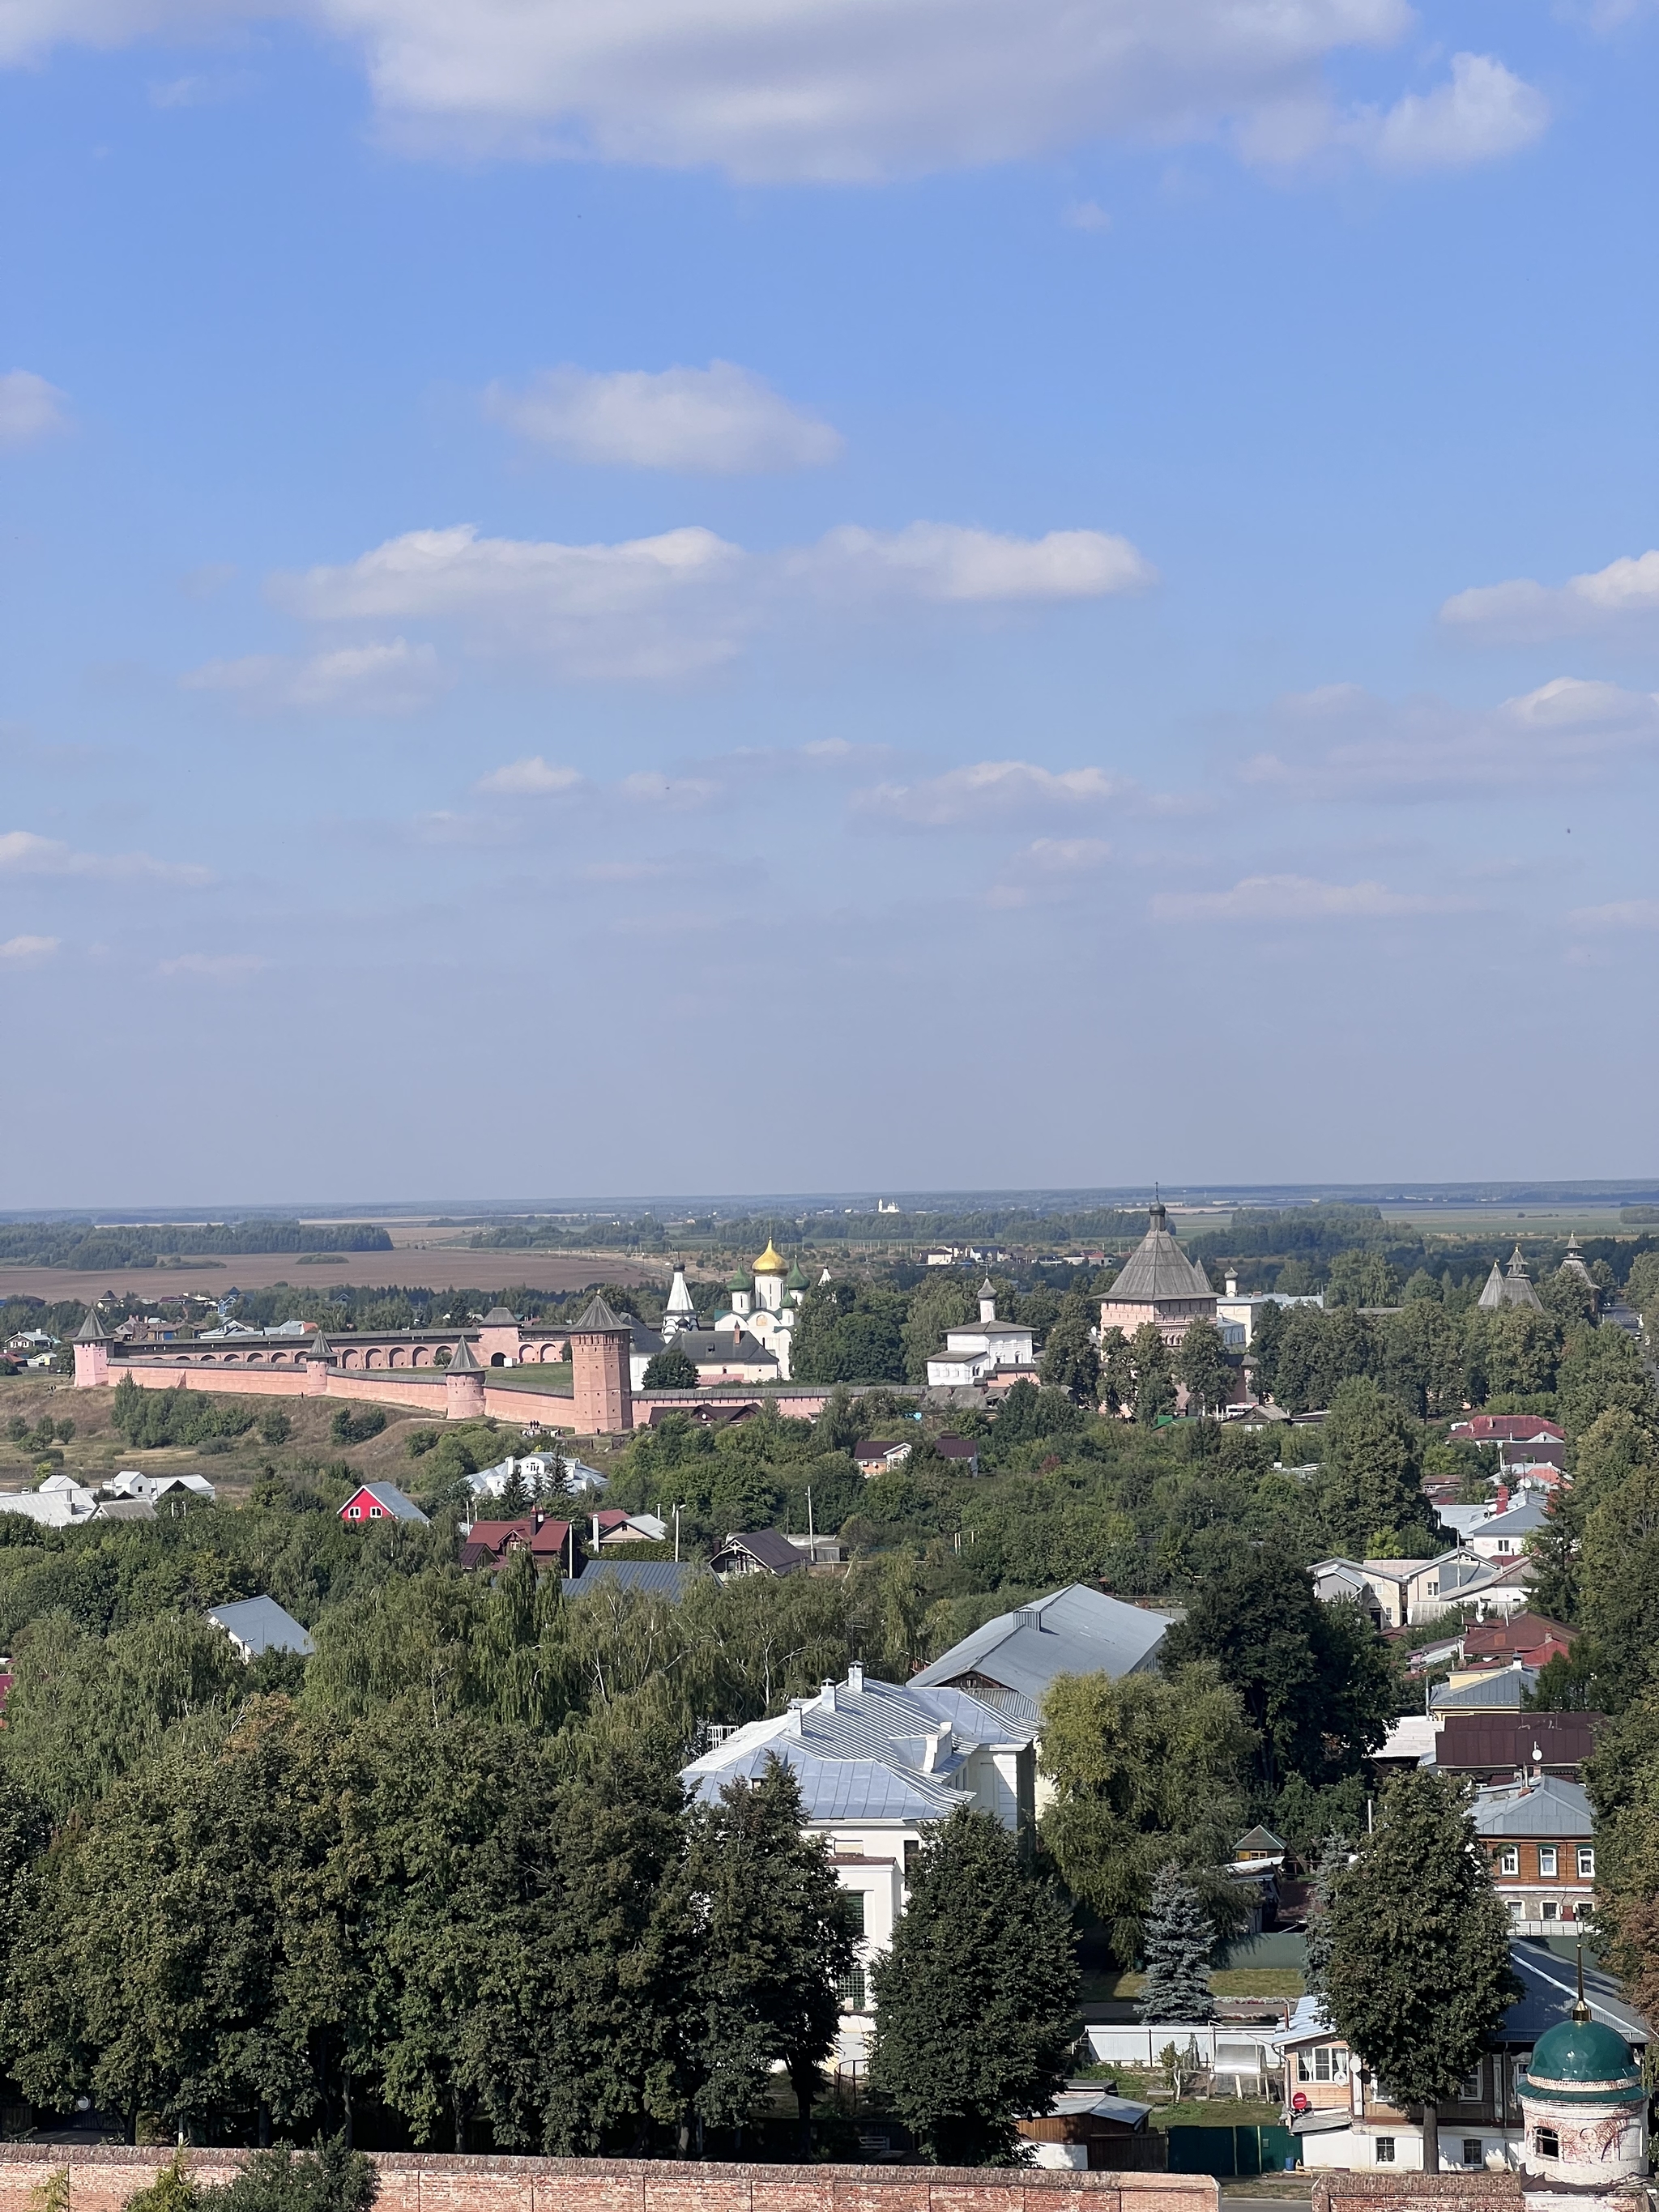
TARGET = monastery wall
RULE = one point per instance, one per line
(102, 2178)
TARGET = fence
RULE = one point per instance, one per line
(1230, 2154)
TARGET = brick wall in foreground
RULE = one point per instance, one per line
(103, 2178)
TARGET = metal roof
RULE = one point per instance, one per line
(262, 1625)
(1504, 1690)
(1550, 1984)
(390, 1499)
(1518, 1521)
(669, 1578)
(1158, 1269)
(599, 1319)
(837, 1788)
(773, 1551)
(1495, 1741)
(1075, 1630)
(1549, 1807)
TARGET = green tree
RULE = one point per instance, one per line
(1201, 1364)
(1614, 1445)
(1370, 1468)
(275, 1426)
(1147, 1769)
(1620, 1575)
(1117, 1374)
(942, 1302)
(1149, 1358)
(333, 2178)
(1418, 1970)
(1362, 1278)
(976, 1999)
(1319, 1688)
(1177, 1948)
(1601, 1371)
(671, 1369)
(773, 1942)
(1070, 1361)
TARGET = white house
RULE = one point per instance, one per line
(1242, 1309)
(59, 1503)
(976, 1349)
(877, 1763)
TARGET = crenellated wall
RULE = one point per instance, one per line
(101, 2178)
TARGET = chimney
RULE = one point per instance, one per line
(794, 1718)
(856, 1677)
(827, 1696)
(1232, 1286)
(1503, 1497)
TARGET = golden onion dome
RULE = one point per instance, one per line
(771, 1262)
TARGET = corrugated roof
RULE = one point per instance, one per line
(774, 1551)
(262, 1625)
(391, 1499)
(1493, 1743)
(1503, 1691)
(1075, 1630)
(669, 1578)
(1158, 1269)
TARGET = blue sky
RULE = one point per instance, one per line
(795, 594)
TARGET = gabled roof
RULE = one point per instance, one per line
(390, 1499)
(1158, 1269)
(546, 1536)
(262, 1625)
(1516, 1520)
(1076, 1631)
(770, 1549)
(599, 1320)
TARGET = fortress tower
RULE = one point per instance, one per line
(92, 1343)
(464, 1385)
(599, 1345)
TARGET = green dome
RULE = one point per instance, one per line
(738, 1282)
(1579, 2051)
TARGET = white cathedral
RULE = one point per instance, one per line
(759, 1313)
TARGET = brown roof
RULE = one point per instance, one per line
(1500, 1743)
(772, 1550)
(545, 1538)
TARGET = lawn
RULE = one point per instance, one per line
(1227, 1982)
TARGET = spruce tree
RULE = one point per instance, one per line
(1334, 1855)
(976, 2001)
(1177, 1945)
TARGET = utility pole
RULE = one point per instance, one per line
(676, 1535)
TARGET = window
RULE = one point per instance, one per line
(850, 1990)
(1550, 1910)
(356, 1512)
(853, 1905)
(1547, 1858)
(1508, 1859)
(1385, 2150)
(1546, 2142)
(1329, 2063)
(1474, 2151)
(911, 1847)
(1586, 1862)
(1516, 1909)
(1469, 2089)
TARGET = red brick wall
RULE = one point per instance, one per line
(1418, 2192)
(102, 2178)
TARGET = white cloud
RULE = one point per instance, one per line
(534, 778)
(1620, 914)
(947, 561)
(1623, 595)
(686, 601)
(838, 90)
(25, 951)
(1342, 743)
(24, 853)
(718, 421)
(989, 791)
(214, 967)
(394, 678)
(1064, 856)
(1296, 898)
(30, 407)
(651, 607)
(1087, 215)
(1481, 113)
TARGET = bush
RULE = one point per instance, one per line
(356, 1427)
(275, 1425)
(148, 1419)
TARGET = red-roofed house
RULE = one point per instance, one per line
(1508, 1428)
(1531, 1638)
(550, 1543)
